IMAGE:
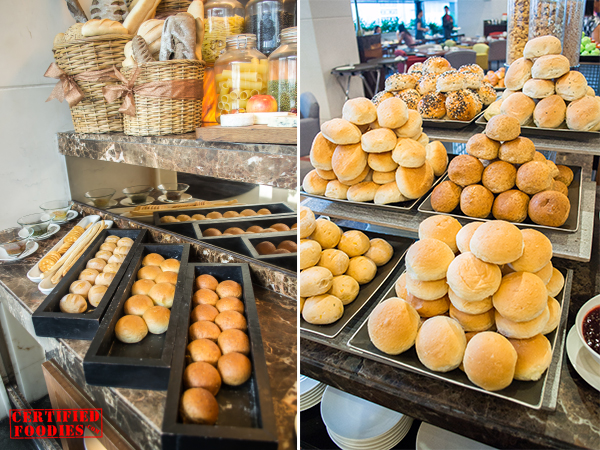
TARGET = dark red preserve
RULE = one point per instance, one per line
(591, 329)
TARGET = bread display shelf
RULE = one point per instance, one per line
(541, 394)
(286, 260)
(560, 132)
(50, 321)
(570, 226)
(146, 364)
(369, 291)
(450, 124)
(246, 416)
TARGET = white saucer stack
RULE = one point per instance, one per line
(357, 424)
(431, 437)
(311, 392)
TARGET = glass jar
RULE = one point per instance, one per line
(222, 18)
(575, 12)
(517, 29)
(283, 72)
(547, 18)
(289, 14)
(240, 73)
(264, 19)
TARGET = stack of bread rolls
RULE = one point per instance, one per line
(98, 274)
(215, 215)
(148, 308)
(486, 310)
(218, 348)
(333, 265)
(374, 153)
(505, 176)
(232, 231)
(437, 91)
(542, 91)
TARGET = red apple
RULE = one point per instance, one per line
(261, 103)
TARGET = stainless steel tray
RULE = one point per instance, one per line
(541, 394)
(560, 132)
(570, 226)
(450, 124)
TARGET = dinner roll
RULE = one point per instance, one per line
(511, 206)
(400, 286)
(230, 304)
(436, 64)
(202, 375)
(234, 340)
(482, 147)
(203, 350)
(545, 274)
(473, 322)
(111, 268)
(549, 208)
(125, 242)
(229, 288)
(131, 329)
(95, 294)
(341, 132)
(345, 288)
(80, 287)
(335, 260)
(389, 193)
(73, 304)
(382, 178)
(437, 157)
(426, 290)
(464, 235)
(166, 277)
(428, 259)
(137, 305)
(359, 111)
(362, 269)
(231, 319)
(314, 184)
(348, 162)
(554, 309)
(534, 356)
(96, 264)
(381, 162)
(550, 66)
(414, 183)
(465, 170)
(105, 279)
(535, 88)
(428, 308)
(157, 319)
(149, 272)
(109, 247)
(518, 151)
(310, 253)
(400, 82)
(445, 196)
(490, 361)
(170, 265)
(440, 344)
(336, 189)
(378, 141)
(443, 228)
(521, 297)
(199, 406)
(205, 297)
(584, 114)
(409, 153)
(542, 45)
(203, 329)
(362, 192)
(380, 251)
(393, 326)
(550, 112)
(537, 252)
(413, 126)
(365, 175)
(519, 106)
(227, 215)
(152, 259)
(235, 369)
(517, 74)
(522, 330)
(534, 177)
(556, 283)
(322, 309)
(326, 233)
(462, 105)
(565, 175)
(116, 259)
(497, 242)
(503, 128)
(204, 312)
(392, 113)
(473, 279)
(354, 243)
(451, 80)
(315, 281)
(499, 176)
(142, 287)
(206, 281)
(113, 239)
(307, 222)
(473, 308)
(476, 201)
(162, 294)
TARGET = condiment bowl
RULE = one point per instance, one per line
(137, 194)
(58, 209)
(14, 240)
(585, 309)
(100, 197)
(173, 191)
(38, 222)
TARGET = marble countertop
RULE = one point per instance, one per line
(139, 413)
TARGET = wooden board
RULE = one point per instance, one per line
(255, 134)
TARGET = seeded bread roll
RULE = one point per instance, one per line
(519, 106)
(378, 141)
(517, 74)
(451, 80)
(427, 84)
(393, 326)
(487, 94)
(399, 82)
(473, 279)
(550, 66)
(436, 64)
(511, 206)
(462, 105)
(542, 45)
(348, 162)
(321, 152)
(409, 153)
(432, 105)
(437, 157)
(482, 147)
(476, 201)
(550, 112)
(445, 197)
(503, 128)
(341, 132)
(381, 162)
(414, 183)
(359, 111)
(389, 193)
(490, 361)
(392, 113)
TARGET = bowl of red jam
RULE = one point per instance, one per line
(588, 326)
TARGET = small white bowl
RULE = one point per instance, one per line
(585, 309)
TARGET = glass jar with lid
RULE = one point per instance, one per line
(283, 71)
(264, 19)
(240, 73)
(547, 18)
(575, 12)
(289, 14)
(517, 29)
(222, 18)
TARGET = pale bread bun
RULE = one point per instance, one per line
(157, 319)
(162, 294)
(95, 295)
(473, 322)
(537, 252)
(546, 273)
(341, 132)
(378, 141)
(464, 235)
(322, 309)
(473, 308)
(365, 175)
(362, 269)
(542, 45)
(414, 183)
(359, 111)
(425, 290)
(389, 193)
(326, 233)
(233, 340)
(321, 152)
(392, 113)
(556, 283)
(482, 147)
(428, 308)
(518, 151)
(137, 305)
(584, 114)
(152, 259)
(550, 66)
(105, 279)
(167, 277)
(490, 361)
(382, 178)
(109, 247)
(590, 92)
(465, 170)
(534, 355)
(519, 106)
(307, 223)
(521, 297)
(443, 228)
(230, 319)
(116, 259)
(149, 272)
(73, 304)
(441, 344)
(473, 279)
(380, 251)
(96, 264)
(497, 242)
(314, 184)
(400, 286)
(409, 153)
(381, 162)
(437, 157)
(503, 128)
(428, 259)
(80, 287)
(142, 287)
(554, 309)
(89, 275)
(348, 162)
(345, 288)
(335, 260)
(412, 128)
(522, 330)
(199, 406)
(476, 201)
(393, 326)
(235, 369)
(336, 189)
(131, 329)
(362, 192)
(550, 112)
(517, 74)
(499, 176)
(534, 177)
(535, 88)
(203, 350)
(550, 208)
(445, 197)
(436, 64)
(315, 281)
(111, 268)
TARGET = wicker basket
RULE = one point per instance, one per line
(168, 8)
(159, 116)
(93, 114)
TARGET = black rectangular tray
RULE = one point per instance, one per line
(532, 394)
(369, 291)
(562, 132)
(287, 260)
(145, 365)
(50, 321)
(450, 124)
(570, 226)
(246, 415)
(275, 208)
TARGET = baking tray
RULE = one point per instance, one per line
(368, 291)
(562, 132)
(570, 226)
(275, 208)
(246, 415)
(145, 365)
(532, 394)
(50, 321)
(287, 260)
(450, 124)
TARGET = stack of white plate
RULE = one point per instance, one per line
(311, 392)
(430, 437)
(357, 424)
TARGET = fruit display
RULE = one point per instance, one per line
(589, 47)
